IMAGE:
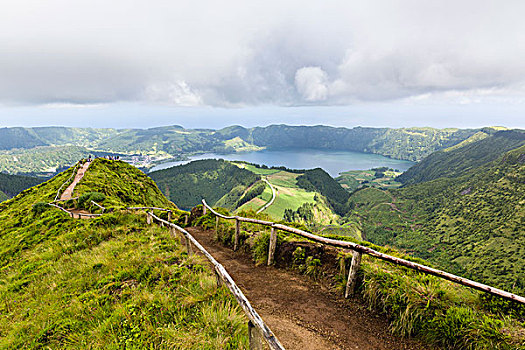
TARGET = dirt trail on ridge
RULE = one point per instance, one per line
(68, 193)
(304, 315)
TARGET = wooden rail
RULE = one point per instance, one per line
(65, 182)
(98, 205)
(256, 326)
(59, 207)
(357, 250)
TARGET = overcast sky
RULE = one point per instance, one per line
(125, 63)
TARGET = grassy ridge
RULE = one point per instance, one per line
(107, 283)
(457, 161)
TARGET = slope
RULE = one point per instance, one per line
(11, 185)
(471, 224)
(458, 160)
(111, 282)
(212, 179)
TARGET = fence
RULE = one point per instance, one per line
(67, 181)
(357, 251)
(257, 329)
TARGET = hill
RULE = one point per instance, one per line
(11, 185)
(58, 146)
(212, 179)
(469, 224)
(110, 282)
(26, 138)
(3, 196)
(456, 161)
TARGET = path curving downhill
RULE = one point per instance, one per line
(304, 315)
(271, 200)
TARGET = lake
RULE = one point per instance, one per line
(333, 162)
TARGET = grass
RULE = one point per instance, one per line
(255, 170)
(107, 283)
(417, 305)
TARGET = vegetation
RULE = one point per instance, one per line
(210, 179)
(456, 161)
(11, 185)
(3, 196)
(318, 180)
(107, 283)
(469, 225)
(435, 310)
(383, 178)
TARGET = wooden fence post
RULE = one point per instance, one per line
(188, 245)
(185, 220)
(148, 219)
(216, 225)
(352, 274)
(203, 210)
(273, 243)
(169, 215)
(256, 342)
(237, 232)
(218, 278)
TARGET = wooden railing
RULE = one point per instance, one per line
(67, 181)
(99, 206)
(257, 329)
(170, 212)
(357, 251)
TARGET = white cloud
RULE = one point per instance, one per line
(239, 53)
(312, 83)
(177, 93)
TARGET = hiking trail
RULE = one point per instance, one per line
(303, 314)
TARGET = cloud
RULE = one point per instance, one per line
(311, 83)
(238, 53)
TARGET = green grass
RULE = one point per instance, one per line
(107, 283)
(256, 170)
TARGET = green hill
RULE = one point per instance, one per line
(11, 185)
(470, 224)
(458, 160)
(211, 179)
(3, 196)
(108, 283)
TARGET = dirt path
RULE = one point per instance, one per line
(303, 314)
(68, 193)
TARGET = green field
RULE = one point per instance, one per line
(354, 179)
(288, 196)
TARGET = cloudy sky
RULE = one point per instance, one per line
(141, 63)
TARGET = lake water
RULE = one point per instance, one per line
(333, 162)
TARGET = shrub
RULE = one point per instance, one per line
(40, 207)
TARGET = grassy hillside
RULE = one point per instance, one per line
(186, 185)
(456, 161)
(107, 283)
(471, 224)
(11, 185)
(11, 138)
